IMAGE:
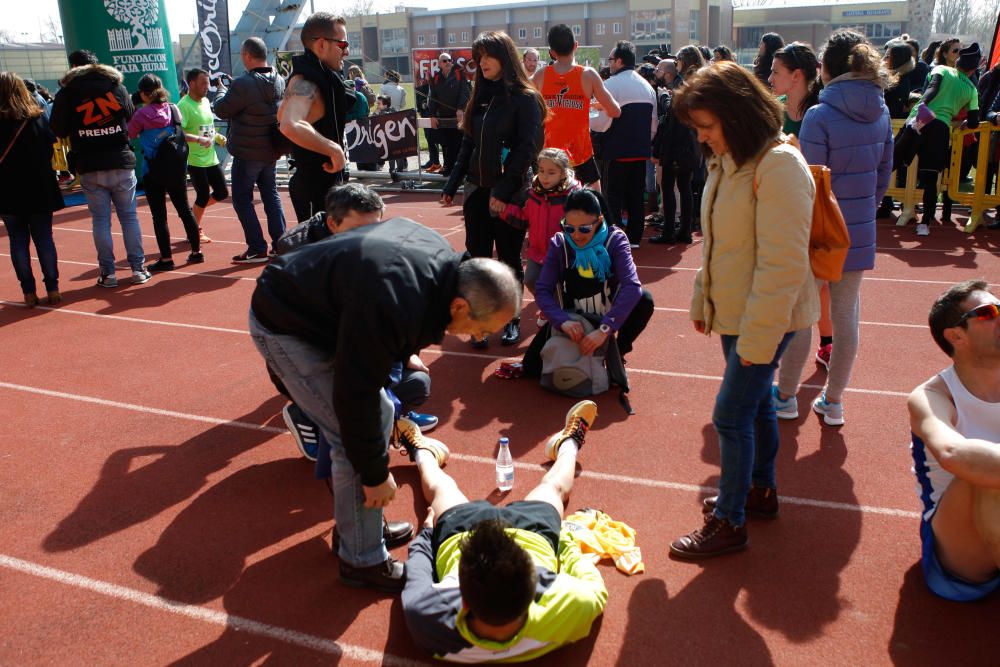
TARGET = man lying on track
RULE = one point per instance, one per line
(955, 419)
(331, 318)
(485, 583)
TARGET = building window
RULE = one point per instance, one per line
(616, 28)
(522, 33)
(465, 36)
(394, 41)
(695, 17)
(538, 32)
(600, 28)
(434, 39)
(651, 26)
(577, 30)
(451, 38)
(420, 40)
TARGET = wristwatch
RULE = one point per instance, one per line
(604, 328)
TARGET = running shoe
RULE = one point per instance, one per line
(304, 431)
(787, 408)
(424, 422)
(833, 413)
(823, 353)
(579, 419)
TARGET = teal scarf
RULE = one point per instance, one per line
(592, 260)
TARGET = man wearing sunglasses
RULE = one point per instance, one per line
(955, 419)
(313, 113)
(448, 93)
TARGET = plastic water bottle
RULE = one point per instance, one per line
(505, 467)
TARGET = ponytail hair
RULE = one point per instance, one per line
(800, 56)
(850, 52)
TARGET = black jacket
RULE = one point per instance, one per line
(675, 143)
(499, 121)
(27, 182)
(92, 108)
(369, 297)
(447, 94)
(251, 104)
(337, 100)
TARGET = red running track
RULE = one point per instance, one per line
(154, 509)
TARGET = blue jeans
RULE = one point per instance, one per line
(35, 227)
(307, 373)
(102, 189)
(245, 174)
(745, 420)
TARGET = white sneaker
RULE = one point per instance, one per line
(923, 229)
(140, 277)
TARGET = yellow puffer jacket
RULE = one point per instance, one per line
(755, 281)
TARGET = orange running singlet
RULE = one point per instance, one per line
(568, 125)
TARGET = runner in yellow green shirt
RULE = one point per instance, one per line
(203, 163)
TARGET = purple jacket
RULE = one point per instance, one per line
(849, 131)
(624, 281)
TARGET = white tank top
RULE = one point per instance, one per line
(975, 418)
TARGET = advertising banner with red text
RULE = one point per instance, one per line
(425, 63)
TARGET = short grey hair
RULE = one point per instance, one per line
(255, 48)
(489, 286)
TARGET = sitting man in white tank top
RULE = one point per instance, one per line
(955, 419)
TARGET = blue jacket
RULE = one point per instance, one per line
(849, 131)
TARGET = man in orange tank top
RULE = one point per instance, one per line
(568, 89)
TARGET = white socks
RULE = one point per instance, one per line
(568, 446)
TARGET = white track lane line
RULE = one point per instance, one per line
(205, 615)
(448, 353)
(620, 479)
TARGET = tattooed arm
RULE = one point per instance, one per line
(301, 105)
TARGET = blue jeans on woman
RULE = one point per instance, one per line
(102, 189)
(306, 372)
(747, 425)
(35, 227)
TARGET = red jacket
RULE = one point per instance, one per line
(542, 211)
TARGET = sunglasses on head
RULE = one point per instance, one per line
(985, 312)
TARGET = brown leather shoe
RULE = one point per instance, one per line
(762, 502)
(715, 538)
(387, 577)
(395, 534)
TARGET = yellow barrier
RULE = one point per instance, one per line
(978, 200)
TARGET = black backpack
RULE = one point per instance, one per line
(169, 165)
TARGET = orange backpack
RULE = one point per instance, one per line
(829, 239)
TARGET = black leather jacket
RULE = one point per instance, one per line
(499, 121)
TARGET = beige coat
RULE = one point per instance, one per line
(755, 281)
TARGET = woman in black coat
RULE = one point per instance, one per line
(502, 135)
(29, 191)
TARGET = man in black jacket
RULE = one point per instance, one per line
(449, 93)
(313, 112)
(92, 109)
(252, 106)
(332, 317)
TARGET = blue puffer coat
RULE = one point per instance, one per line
(849, 131)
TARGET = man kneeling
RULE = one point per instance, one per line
(487, 583)
(955, 419)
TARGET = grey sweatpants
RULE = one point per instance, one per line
(845, 310)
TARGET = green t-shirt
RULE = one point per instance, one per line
(789, 126)
(198, 120)
(955, 93)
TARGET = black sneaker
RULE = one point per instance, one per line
(160, 265)
(303, 430)
(196, 258)
(387, 577)
(480, 343)
(250, 258)
(395, 534)
(511, 332)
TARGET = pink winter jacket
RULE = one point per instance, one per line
(543, 213)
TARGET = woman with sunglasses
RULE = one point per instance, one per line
(502, 134)
(755, 286)
(589, 265)
(947, 53)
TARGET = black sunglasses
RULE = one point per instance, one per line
(583, 229)
(985, 312)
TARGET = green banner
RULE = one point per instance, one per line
(130, 35)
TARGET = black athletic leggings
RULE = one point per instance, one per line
(156, 197)
(483, 231)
